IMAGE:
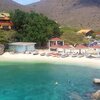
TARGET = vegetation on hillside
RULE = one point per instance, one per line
(69, 29)
(74, 13)
(70, 36)
(97, 37)
(33, 27)
(7, 36)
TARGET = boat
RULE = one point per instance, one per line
(42, 54)
(89, 56)
(80, 56)
(74, 55)
(96, 56)
(27, 52)
(35, 53)
(64, 55)
(48, 54)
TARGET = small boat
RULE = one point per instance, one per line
(80, 56)
(64, 55)
(42, 54)
(89, 56)
(55, 54)
(74, 55)
(27, 52)
(96, 56)
(35, 53)
(48, 54)
(96, 81)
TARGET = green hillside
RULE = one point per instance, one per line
(70, 36)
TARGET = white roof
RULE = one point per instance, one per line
(22, 43)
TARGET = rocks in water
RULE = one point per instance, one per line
(75, 96)
(96, 95)
(2, 47)
(96, 81)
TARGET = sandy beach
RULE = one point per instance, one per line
(94, 62)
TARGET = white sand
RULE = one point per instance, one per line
(95, 63)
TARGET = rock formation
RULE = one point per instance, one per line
(96, 95)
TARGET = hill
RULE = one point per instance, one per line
(7, 5)
(71, 13)
(74, 13)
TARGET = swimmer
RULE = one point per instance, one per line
(56, 83)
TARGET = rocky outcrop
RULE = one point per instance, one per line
(2, 47)
(96, 81)
(96, 95)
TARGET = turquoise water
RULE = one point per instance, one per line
(33, 81)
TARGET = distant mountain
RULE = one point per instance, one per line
(74, 13)
(6, 5)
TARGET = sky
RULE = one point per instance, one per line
(25, 2)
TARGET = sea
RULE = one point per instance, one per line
(46, 81)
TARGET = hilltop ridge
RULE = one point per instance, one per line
(72, 13)
(6, 5)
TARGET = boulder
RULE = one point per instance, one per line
(2, 47)
(96, 95)
(75, 96)
(96, 81)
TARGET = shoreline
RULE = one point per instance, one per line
(7, 57)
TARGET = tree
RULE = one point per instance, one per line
(73, 38)
(34, 27)
(7, 36)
